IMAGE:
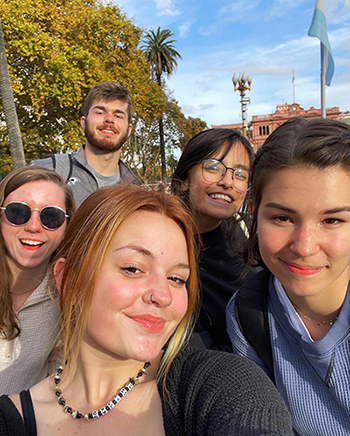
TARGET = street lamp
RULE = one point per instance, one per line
(242, 83)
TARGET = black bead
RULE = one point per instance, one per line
(99, 413)
(79, 415)
(114, 402)
(58, 393)
(62, 402)
(69, 410)
(107, 408)
(140, 374)
(147, 365)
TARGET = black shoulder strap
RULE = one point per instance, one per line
(28, 413)
(63, 164)
(252, 317)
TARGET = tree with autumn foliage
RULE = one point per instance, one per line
(143, 152)
(56, 52)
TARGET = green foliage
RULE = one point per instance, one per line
(160, 53)
(142, 151)
(57, 50)
(190, 127)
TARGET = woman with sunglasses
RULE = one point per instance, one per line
(212, 177)
(35, 206)
(127, 280)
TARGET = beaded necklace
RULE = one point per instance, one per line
(104, 410)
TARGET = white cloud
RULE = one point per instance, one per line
(281, 8)
(238, 10)
(202, 84)
(167, 7)
(184, 29)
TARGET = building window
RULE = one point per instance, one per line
(264, 130)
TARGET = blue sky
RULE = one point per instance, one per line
(266, 39)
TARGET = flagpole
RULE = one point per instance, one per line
(324, 56)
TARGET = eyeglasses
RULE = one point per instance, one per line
(213, 171)
(19, 213)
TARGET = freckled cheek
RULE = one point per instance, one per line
(338, 247)
(270, 242)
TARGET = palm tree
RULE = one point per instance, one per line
(9, 106)
(162, 58)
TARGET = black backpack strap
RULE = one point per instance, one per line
(28, 413)
(63, 164)
(252, 317)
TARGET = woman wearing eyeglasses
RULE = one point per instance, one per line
(212, 177)
(35, 206)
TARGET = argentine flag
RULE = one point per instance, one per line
(318, 28)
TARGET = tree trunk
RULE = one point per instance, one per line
(162, 148)
(10, 112)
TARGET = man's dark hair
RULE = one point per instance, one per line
(108, 91)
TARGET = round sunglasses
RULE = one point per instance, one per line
(19, 213)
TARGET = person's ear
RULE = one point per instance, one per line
(129, 130)
(58, 271)
(184, 186)
(82, 122)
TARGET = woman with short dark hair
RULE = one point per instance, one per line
(301, 238)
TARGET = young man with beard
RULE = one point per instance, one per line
(106, 124)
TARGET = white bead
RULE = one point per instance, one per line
(103, 411)
(117, 398)
(95, 414)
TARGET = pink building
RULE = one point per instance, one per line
(262, 125)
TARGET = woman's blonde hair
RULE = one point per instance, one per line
(84, 249)
(9, 326)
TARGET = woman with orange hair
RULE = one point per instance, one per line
(126, 274)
